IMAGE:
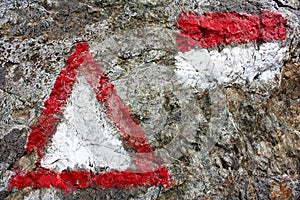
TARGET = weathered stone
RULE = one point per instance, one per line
(234, 140)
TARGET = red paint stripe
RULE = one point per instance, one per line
(43, 130)
(116, 109)
(213, 29)
(149, 169)
(119, 113)
(71, 180)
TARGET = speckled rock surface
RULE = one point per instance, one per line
(234, 140)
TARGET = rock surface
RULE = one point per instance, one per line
(229, 140)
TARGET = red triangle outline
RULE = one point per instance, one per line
(132, 135)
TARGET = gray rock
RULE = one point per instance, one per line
(232, 141)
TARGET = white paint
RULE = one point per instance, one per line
(46, 194)
(202, 68)
(34, 195)
(85, 138)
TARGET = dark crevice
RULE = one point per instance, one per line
(280, 4)
(4, 194)
(2, 77)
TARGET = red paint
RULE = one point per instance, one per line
(116, 109)
(45, 127)
(213, 29)
(149, 168)
(71, 180)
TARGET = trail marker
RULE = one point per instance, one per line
(221, 28)
(229, 47)
(144, 167)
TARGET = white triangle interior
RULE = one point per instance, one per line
(85, 137)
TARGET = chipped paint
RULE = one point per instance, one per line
(222, 28)
(147, 170)
(206, 68)
(85, 139)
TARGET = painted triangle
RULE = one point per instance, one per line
(135, 161)
(85, 138)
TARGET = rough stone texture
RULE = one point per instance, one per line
(92, 146)
(241, 141)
